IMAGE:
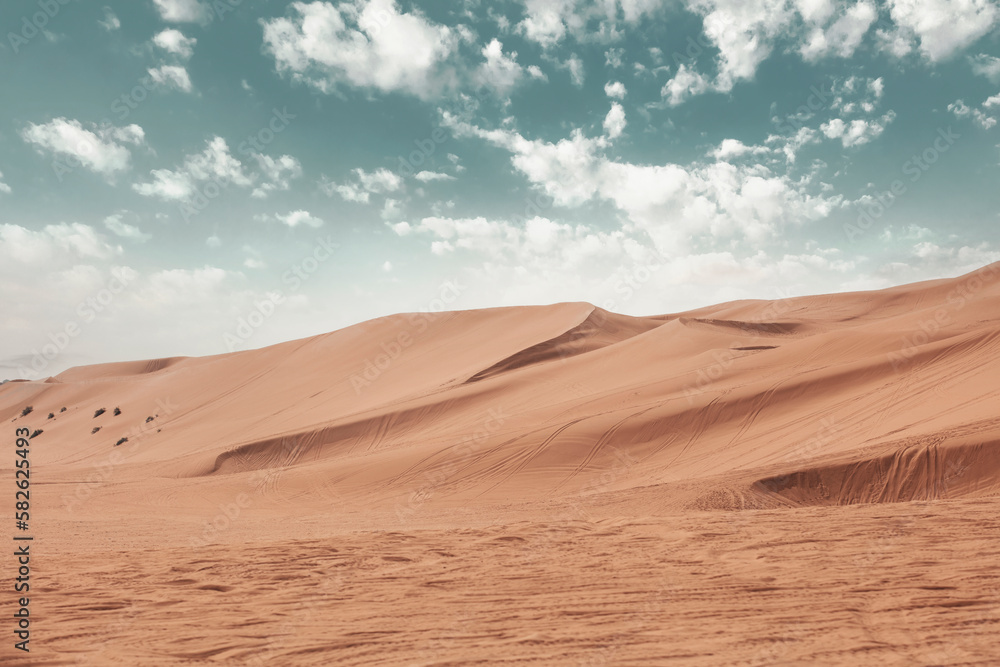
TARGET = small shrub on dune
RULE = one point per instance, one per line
(27, 411)
(123, 440)
(51, 415)
(99, 413)
(149, 419)
(95, 430)
(118, 411)
(62, 409)
(38, 431)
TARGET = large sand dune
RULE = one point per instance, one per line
(812, 480)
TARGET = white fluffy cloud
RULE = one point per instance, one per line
(731, 148)
(615, 90)
(277, 174)
(364, 43)
(380, 181)
(429, 176)
(614, 122)
(4, 188)
(684, 84)
(214, 164)
(843, 36)
(981, 118)
(670, 202)
(943, 27)
(173, 41)
(99, 149)
(184, 11)
(171, 76)
(296, 218)
(857, 132)
(500, 71)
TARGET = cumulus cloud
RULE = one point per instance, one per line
(4, 188)
(380, 181)
(429, 176)
(615, 90)
(843, 36)
(100, 149)
(982, 119)
(171, 76)
(500, 71)
(672, 203)
(173, 41)
(858, 131)
(364, 43)
(214, 164)
(614, 122)
(944, 27)
(684, 84)
(295, 218)
(277, 174)
(730, 148)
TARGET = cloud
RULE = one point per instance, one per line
(944, 27)
(110, 21)
(391, 210)
(500, 71)
(117, 227)
(986, 65)
(365, 44)
(429, 176)
(856, 132)
(173, 41)
(843, 37)
(277, 174)
(730, 148)
(184, 11)
(214, 164)
(59, 243)
(4, 188)
(614, 122)
(548, 22)
(983, 120)
(171, 76)
(366, 183)
(684, 84)
(615, 90)
(300, 217)
(576, 72)
(99, 149)
(674, 204)
(535, 72)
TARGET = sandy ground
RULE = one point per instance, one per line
(808, 481)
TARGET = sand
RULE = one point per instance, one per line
(814, 480)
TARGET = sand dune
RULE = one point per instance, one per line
(812, 480)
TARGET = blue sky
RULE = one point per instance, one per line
(183, 177)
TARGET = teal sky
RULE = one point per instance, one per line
(184, 177)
